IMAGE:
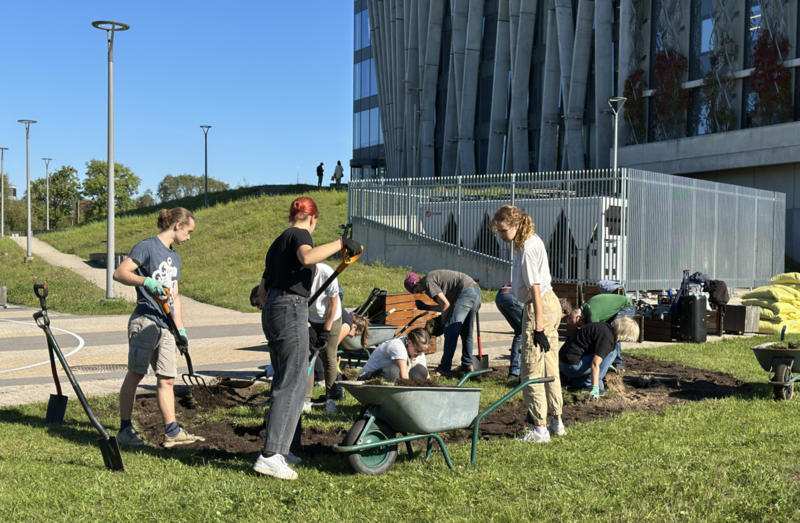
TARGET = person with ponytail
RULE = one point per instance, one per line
(531, 285)
(283, 293)
(152, 266)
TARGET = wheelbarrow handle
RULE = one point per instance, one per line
(472, 374)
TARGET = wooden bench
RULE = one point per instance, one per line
(571, 292)
(405, 311)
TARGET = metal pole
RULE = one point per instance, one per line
(2, 195)
(110, 28)
(28, 170)
(622, 242)
(205, 129)
(47, 185)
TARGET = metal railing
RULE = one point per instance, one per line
(636, 227)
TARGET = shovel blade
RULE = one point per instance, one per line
(236, 384)
(112, 457)
(481, 362)
(56, 408)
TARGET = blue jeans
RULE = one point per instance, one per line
(581, 374)
(629, 312)
(511, 309)
(459, 323)
(284, 319)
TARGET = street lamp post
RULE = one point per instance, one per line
(110, 28)
(205, 129)
(47, 186)
(622, 274)
(616, 108)
(2, 195)
(28, 187)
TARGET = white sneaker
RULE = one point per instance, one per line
(556, 428)
(330, 407)
(320, 384)
(274, 466)
(535, 437)
(306, 406)
(292, 459)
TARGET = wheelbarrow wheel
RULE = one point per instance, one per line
(375, 461)
(783, 392)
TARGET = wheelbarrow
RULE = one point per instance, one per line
(782, 362)
(416, 413)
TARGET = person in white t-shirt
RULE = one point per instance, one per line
(325, 317)
(531, 284)
(399, 358)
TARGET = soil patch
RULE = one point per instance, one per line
(416, 383)
(647, 385)
(791, 346)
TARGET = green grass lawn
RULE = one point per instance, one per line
(723, 460)
(225, 257)
(68, 292)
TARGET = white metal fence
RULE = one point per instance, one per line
(637, 227)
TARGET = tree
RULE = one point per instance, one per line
(95, 188)
(65, 190)
(146, 200)
(183, 185)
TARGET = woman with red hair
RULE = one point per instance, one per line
(284, 291)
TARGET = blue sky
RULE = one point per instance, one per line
(272, 78)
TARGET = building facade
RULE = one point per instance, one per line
(368, 148)
(497, 86)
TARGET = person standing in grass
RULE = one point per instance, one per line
(607, 308)
(338, 174)
(320, 174)
(531, 285)
(283, 292)
(151, 267)
(325, 317)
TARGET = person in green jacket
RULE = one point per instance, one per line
(606, 308)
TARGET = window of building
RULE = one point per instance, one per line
(356, 130)
(366, 71)
(380, 130)
(753, 31)
(364, 128)
(357, 32)
(374, 127)
(698, 113)
(365, 36)
(702, 36)
(373, 80)
(357, 81)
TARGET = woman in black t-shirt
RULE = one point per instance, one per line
(284, 291)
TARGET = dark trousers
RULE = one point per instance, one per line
(319, 182)
(284, 319)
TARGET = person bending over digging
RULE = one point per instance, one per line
(530, 283)
(459, 300)
(354, 325)
(391, 360)
(151, 267)
(587, 354)
(607, 308)
(283, 292)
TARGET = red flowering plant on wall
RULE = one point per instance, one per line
(635, 107)
(770, 82)
(670, 99)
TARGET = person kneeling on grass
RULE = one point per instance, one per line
(587, 354)
(391, 360)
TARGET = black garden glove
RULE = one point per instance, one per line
(352, 246)
(421, 305)
(322, 338)
(540, 340)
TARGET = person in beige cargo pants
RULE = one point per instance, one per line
(531, 284)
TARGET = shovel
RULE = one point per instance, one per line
(191, 379)
(109, 448)
(57, 406)
(243, 384)
(482, 361)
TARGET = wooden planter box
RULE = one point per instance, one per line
(571, 292)
(740, 319)
(664, 330)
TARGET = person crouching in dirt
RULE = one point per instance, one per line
(607, 308)
(283, 292)
(151, 267)
(587, 354)
(459, 300)
(530, 283)
(399, 358)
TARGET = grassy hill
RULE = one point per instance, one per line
(225, 257)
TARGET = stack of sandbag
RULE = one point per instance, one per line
(779, 303)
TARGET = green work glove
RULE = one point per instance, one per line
(595, 392)
(153, 287)
(182, 341)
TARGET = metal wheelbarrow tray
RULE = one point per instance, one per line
(782, 362)
(417, 413)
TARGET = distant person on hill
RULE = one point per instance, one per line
(284, 292)
(320, 173)
(338, 174)
(151, 267)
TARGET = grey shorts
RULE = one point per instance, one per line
(150, 345)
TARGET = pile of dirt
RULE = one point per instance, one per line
(416, 383)
(789, 347)
(647, 385)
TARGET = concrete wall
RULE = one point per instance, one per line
(382, 245)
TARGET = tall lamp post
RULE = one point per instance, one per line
(616, 104)
(27, 124)
(110, 28)
(205, 129)
(2, 195)
(612, 102)
(47, 187)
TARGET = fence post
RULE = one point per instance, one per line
(458, 223)
(755, 242)
(408, 209)
(513, 202)
(362, 203)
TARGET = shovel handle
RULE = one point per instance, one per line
(164, 302)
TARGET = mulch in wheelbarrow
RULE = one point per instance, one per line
(647, 385)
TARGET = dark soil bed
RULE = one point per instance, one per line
(647, 385)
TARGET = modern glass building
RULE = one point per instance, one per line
(368, 148)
